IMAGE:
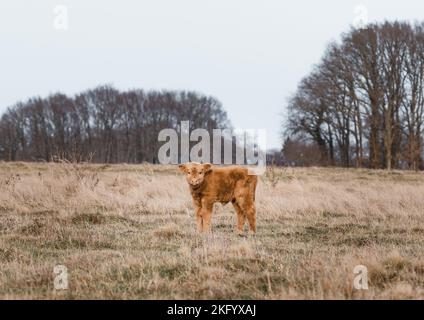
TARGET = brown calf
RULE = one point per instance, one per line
(210, 184)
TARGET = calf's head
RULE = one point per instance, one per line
(195, 172)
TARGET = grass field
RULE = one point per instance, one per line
(128, 232)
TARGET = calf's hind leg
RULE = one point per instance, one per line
(241, 218)
(251, 217)
(248, 208)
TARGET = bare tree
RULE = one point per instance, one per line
(365, 98)
(103, 123)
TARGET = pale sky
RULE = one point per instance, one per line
(248, 54)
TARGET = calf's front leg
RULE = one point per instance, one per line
(206, 214)
(199, 220)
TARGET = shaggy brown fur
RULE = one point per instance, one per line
(210, 184)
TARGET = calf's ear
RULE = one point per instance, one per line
(183, 168)
(207, 167)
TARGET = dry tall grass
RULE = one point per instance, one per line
(128, 232)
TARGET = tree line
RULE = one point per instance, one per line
(363, 104)
(102, 124)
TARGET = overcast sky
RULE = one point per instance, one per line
(248, 54)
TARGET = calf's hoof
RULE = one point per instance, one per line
(252, 233)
